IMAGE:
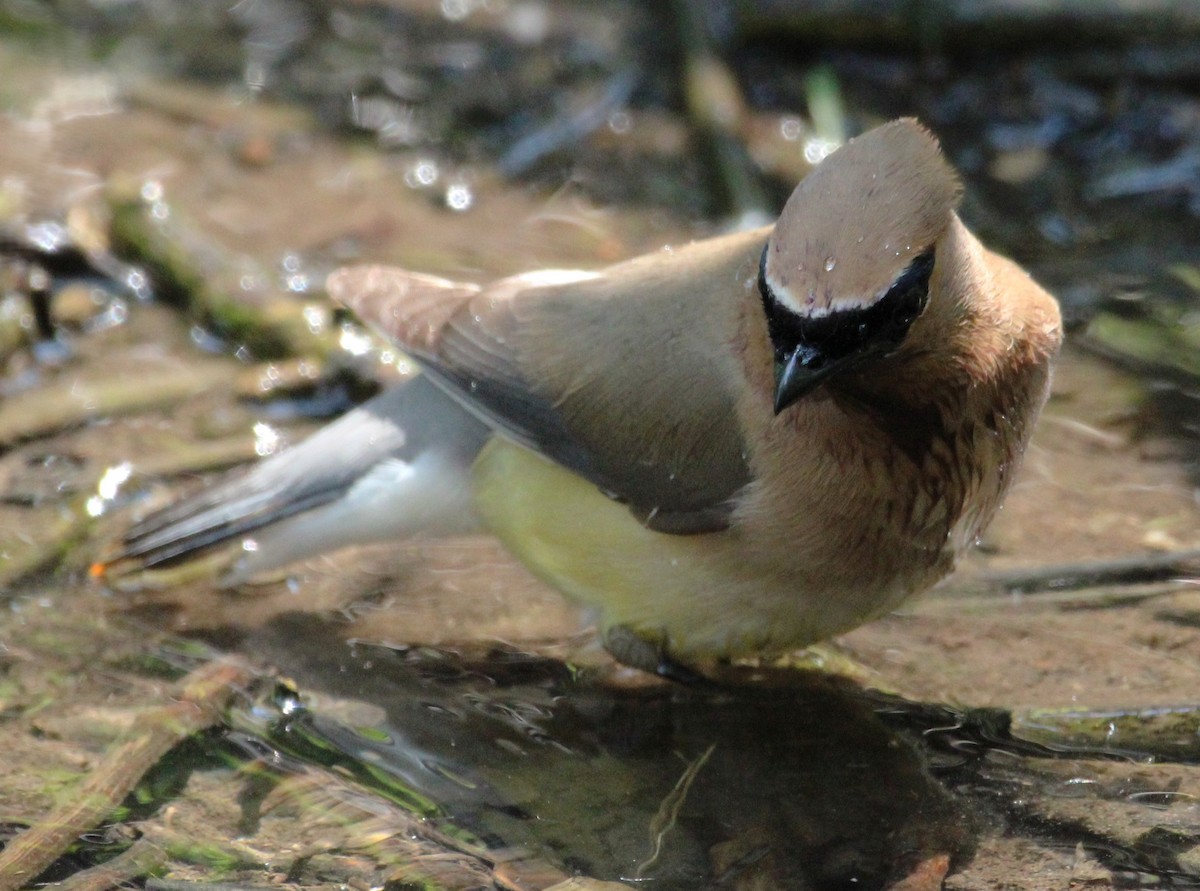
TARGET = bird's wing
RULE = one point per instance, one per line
(627, 377)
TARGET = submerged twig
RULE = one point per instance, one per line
(71, 402)
(64, 532)
(200, 702)
(668, 812)
(142, 858)
(1164, 732)
(1073, 576)
(271, 324)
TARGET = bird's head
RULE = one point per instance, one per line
(848, 267)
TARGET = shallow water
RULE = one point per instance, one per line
(242, 155)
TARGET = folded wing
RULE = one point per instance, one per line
(625, 377)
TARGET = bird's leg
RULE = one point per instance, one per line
(630, 648)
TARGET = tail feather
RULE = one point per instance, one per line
(381, 468)
(206, 527)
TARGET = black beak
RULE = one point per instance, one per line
(801, 372)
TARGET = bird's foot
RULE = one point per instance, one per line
(630, 648)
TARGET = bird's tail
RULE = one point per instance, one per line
(396, 465)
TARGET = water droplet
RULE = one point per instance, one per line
(152, 191)
(830, 263)
(459, 197)
(354, 341)
(528, 23)
(456, 10)
(138, 283)
(423, 174)
(297, 284)
(817, 149)
(266, 441)
(287, 700)
(314, 317)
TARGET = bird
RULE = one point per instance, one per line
(734, 447)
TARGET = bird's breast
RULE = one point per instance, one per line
(878, 490)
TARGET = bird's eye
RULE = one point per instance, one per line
(879, 327)
(904, 301)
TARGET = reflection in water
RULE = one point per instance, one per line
(800, 783)
(766, 779)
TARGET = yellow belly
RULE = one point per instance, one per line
(574, 537)
(694, 594)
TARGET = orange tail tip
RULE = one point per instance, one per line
(97, 570)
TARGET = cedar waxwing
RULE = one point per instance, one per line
(743, 445)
